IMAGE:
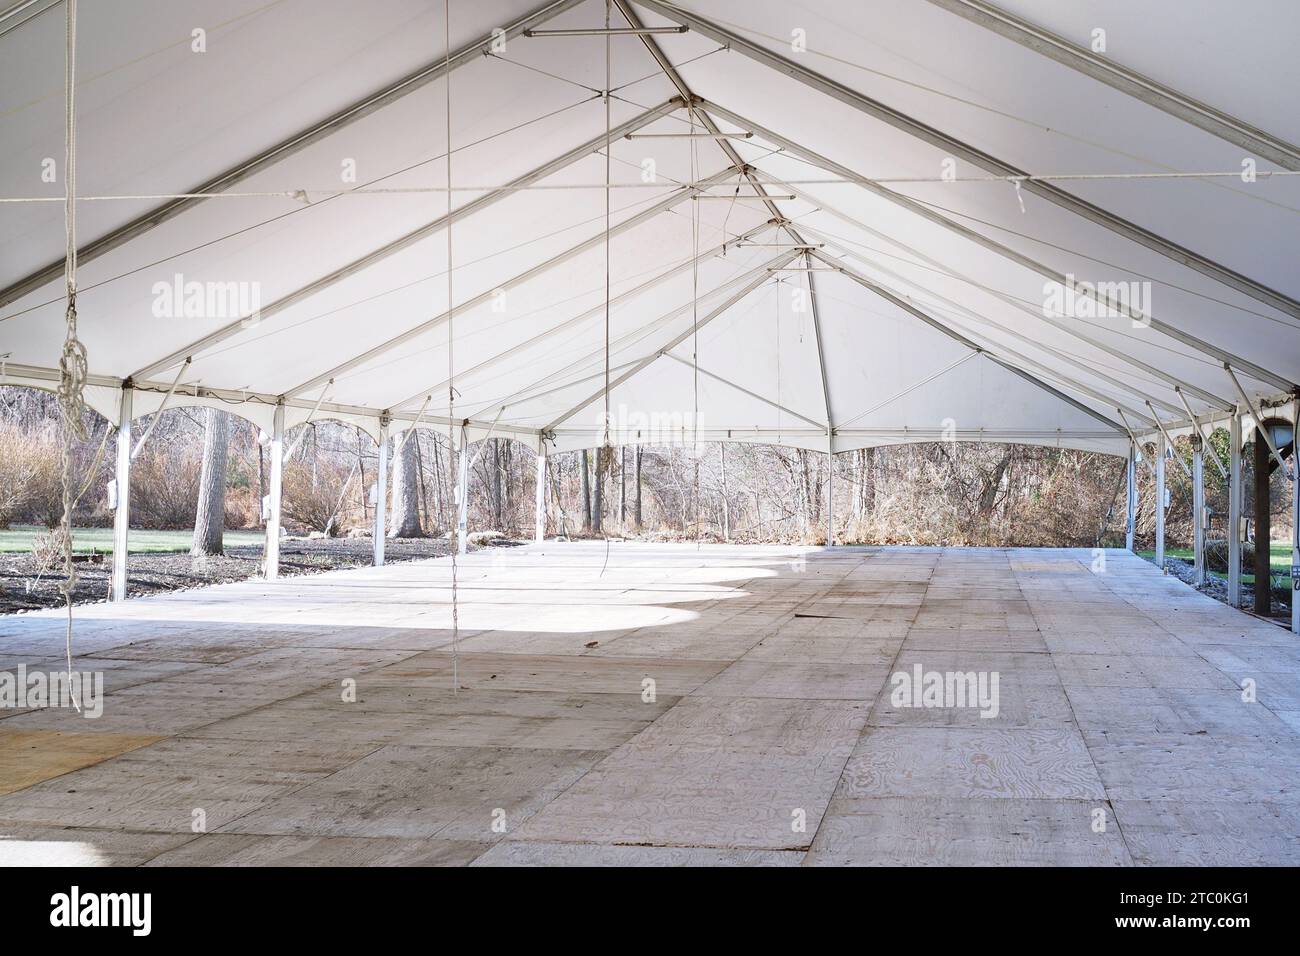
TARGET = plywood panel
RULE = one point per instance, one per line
(770, 736)
(28, 757)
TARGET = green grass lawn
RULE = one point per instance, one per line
(1279, 558)
(19, 537)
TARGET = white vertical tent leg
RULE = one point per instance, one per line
(1234, 510)
(271, 552)
(381, 495)
(540, 532)
(462, 503)
(1295, 517)
(1198, 508)
(122, 516)
(1161, 446)
(830, 496)
(1130, 498)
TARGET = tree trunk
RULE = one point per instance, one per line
(559, 500)
(992, 483)
(210, 518)
(437, 480)
(598, 489)
(261, 476)
(586, 494)
(622, 485)
(807, 518)
(726, 507)
(361, 468)
(868, 481)
(507, 470)
(419, 467)
(495, 493)
(406, 490)
(636, 485)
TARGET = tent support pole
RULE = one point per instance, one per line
(1234, 510)
(1295, 516)
(1196, 427)
(271, 552)
(381, 493)
(122, 516)
(1198, 506)
(1130, 497)
(821, 351)
(462, 494)
(1162, 448)
(830, 490)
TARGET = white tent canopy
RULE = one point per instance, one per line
(913, 289)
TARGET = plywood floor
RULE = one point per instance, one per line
(655, 704)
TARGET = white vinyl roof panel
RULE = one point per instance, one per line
(948, 172)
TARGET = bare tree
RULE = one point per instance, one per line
(406, 490)
(726, 507)
(636, 499)
(622, 485)
(210, 516)
(598, 491)
(586, 494)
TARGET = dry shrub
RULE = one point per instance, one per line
(1216, 556)
(165, 488)
(47, 552)
(310, 496)
(238, 512)
(30, 475)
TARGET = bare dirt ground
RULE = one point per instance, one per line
(23, 588)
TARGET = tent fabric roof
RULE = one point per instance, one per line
(912, 289)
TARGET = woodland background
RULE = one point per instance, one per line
(925, 494)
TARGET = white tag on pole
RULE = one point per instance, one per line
(374, 494)
(110, 493)
(266, 507)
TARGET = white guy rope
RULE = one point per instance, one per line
(73, 368)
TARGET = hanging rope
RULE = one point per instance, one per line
(603, 455)
(462, 504)
(695, 333)
(72, 361)
(608, 150)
